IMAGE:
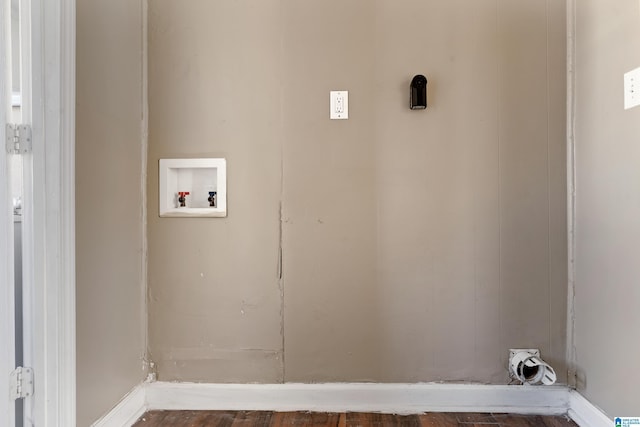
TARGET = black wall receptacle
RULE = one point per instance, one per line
(418, 97)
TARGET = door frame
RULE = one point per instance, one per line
(53, 83)
(49, 216)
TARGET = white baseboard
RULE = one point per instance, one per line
(359, 397)
(355, 397)
(127, 411)
(585, 414)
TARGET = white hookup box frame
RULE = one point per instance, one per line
(200, 178)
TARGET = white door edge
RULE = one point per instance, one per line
(7, 313)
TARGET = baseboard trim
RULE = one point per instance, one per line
(127, 411)
(585, 413)
(355, 397)
(360, 397)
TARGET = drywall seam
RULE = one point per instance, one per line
(500, 219)
(281, 277)
(144, 146)
(549, 251)
(571, 194)
(281, 222)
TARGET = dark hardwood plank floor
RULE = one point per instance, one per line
(349, 419)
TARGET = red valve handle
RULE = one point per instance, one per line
(183, 193)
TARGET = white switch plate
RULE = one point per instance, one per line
(339, 105)
(632, 89)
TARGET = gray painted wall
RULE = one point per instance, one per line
(215, 309)
(417, 245)
(110, 315)
(608, 206)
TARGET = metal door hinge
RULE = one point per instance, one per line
(21, 383)
(18, 139)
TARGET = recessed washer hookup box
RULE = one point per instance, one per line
(192, 188)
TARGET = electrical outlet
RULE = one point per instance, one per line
(632, 89)
(339, 105)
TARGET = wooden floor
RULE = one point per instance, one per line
(351, 419)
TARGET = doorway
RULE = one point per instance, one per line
(17, 160)
(37, 286)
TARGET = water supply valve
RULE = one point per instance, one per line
(212, 198)
(182, 198)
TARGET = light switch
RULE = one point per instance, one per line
(632, 89)
(339, 105)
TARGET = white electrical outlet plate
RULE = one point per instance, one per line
(632, 89)
(339, 105)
